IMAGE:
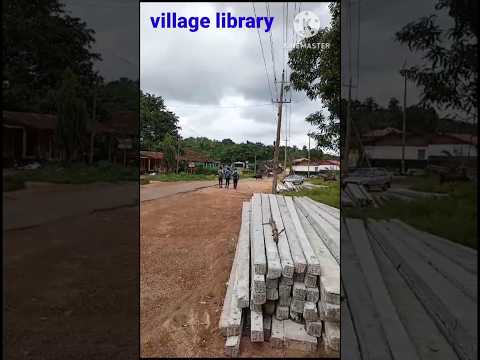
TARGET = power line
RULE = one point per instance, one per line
(263, 54)
(220, 106)
(267, 6)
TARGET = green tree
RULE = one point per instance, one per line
(316, 70)
(155, 122)
(169, 148)
(40, 40)
(72, 116)
(448, 77)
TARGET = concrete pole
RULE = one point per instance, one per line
(277, 142)
(404, 120)
(308, 167)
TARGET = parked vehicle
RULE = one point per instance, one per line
(294, 179)
(369, 177)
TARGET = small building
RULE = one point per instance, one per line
(28, 136)
(193, 160)
(420, 149)
(304, 167)
(152, 161)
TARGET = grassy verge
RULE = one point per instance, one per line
(453, 217)
(72, 174)
(180, 177)
(329, 195)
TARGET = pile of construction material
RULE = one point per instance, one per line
(287, 186)
(407, 294)
(356, 195)
(409, 195)
(285, 277)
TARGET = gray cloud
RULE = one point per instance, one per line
(203, 75)
(381, 57)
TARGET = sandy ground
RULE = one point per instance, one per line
(70, 287)
(158, 189)
(41, 203)
(187, 246)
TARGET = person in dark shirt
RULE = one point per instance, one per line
(235, 177)
(227, 174)
(220, 177)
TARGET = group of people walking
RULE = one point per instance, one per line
(227, 174)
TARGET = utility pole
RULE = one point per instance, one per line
(308, 167)
(404, 115)
(94, 125)
(178, 154)
(285, 160)
(277, 142)
(349, 115)
(255, 165)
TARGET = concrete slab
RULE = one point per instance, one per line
(329, 235)
(269, 307)
(286, 281)
(332, 335)
(450, 308)
(284, 290)
(313, 263)
(296, 337)
(267, 327)
(284, 300)
(256, 326)
(297, 306)
(310, 312)
(329, 281)
(299, 291)
(282, 312)
(272, 283)
(312, 294)
(256, 236)
(278, 333)
(299, 261)
(299, 277)
(310, 281)
(314, 328)
(283, 246)
(272, 294)
(242, 286)
(328, 311)
(274, 268)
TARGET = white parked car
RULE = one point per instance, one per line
(294, 179)
(369, 177)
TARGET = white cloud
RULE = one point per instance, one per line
(214, 79)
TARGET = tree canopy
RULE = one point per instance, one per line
(40, 40)
(449, 76)
(316, 70)
(155, 122)
(227, 151)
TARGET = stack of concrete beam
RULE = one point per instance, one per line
(408, 294)
(409, 195)
(293, 298)
(358, 195)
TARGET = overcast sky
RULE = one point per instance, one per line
(381, 57)
(214, 79)
(203, 75)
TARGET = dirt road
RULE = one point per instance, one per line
(159, 189)
(43, 203)
(70, 288)
(187, 246)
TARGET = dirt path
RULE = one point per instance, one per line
(159, 189)
(70, 288)
(187, 246)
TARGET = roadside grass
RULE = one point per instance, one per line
(453, 217)
(78, 173)
(329, 195)
(179, 177)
